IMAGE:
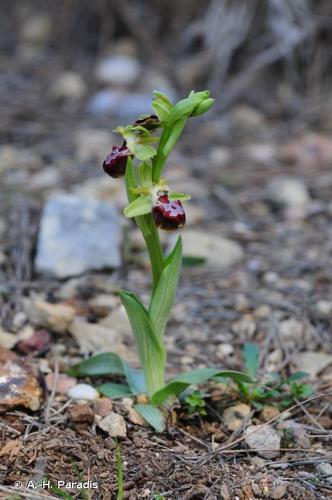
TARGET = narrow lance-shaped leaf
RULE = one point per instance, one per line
(178, 384)
(151, 351)
(164, 294)
(102, 364)
(152, 416)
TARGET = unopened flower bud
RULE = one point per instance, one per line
(168, 215)
(116, 161)
(150, 122)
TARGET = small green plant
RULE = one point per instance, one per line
(154, 205)
(119, 470)
(195, 404)
(273, 388)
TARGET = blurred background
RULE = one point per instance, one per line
(74, 69)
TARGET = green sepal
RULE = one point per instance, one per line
(162, 106)
(140, 206)
(144, 175)
(173, 196)
(202, 107)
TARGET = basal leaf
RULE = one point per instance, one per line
(152, 415)
(114, 391)
(251, 359)
(151, 350)
(164, 294)
(102, 364)
(180, 383)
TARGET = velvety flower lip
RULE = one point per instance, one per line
(150, 122)
(168, 215)
(116, 161)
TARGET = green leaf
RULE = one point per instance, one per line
(185, 107)
(144, 152)
(165, 291)
(179, 196)
(145, 174)
(102, 364)
(191, 260)
(175, 131)
(113, 390)
(180, 383)
(251, 359)
(140, 206)
(296, 376)
(151, 350)
(152, 415)
(119, 471)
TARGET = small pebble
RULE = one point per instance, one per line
(83, 391)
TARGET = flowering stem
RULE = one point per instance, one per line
(151, 237)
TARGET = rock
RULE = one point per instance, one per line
(83, 392)
(260, 153)
(55, 317)
(294, 435)
(291, 331)
(77, 235)
(7, 340)
(13, 158)
(122, 105)
(31, 341)
(69, 85)
(269, 412)
(312, 362)
(234, 416)
(93, 337)
(219, 252)
(99, 189)
(103, 407)
(118, 70)
(224, 351)
(36, 29)
(81, 414)
(247, 120)
(19, 386)
(324, 308)
(133, 416)
(93, 145)
(325, 470)
(102, 304)
(220, 156)
(63, 383)
(309, 150)
(292, 194)
(47, 178)
(264, 439)
(118, 321)
(278, 492)
(114, 424)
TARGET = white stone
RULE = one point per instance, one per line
(77, 235)
(84, 392)
(118, 70)
(92, 336)
(218, 251)
(69, 85)
(7, 340)
(264, 439)
(292, 194)
(313, 362)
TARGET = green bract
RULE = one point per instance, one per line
(150, 199)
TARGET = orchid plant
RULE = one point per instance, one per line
(154, 205)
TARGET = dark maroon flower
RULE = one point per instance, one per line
(168, 215)
(116, 161)
(150, 122)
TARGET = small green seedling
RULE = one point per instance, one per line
(195, 404)
(273, 388)
(154, 206)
